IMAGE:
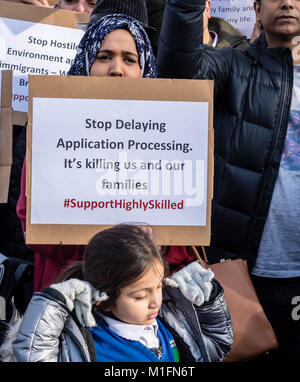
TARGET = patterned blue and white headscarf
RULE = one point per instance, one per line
(95, 35)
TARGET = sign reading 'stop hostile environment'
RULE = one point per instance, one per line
(36, 40)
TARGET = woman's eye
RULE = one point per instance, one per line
(130, 60)
(139, 297)
(103, 58)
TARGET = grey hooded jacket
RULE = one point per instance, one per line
(50, 333)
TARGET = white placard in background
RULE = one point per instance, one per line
(239, 13)
(33, 48)
(111, 161)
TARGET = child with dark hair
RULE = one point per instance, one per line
(117, 305)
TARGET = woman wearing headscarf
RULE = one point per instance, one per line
(107, 28)
(115, 43)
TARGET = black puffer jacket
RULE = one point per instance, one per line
(253, 91)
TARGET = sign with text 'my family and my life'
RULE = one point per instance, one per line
(36, 40)
(103, 151)
(239, 13)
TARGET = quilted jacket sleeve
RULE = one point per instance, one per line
(216, 325)
(206, 330)
(181, 52)
(41, 327)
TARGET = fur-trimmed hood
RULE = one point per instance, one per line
(6, 349)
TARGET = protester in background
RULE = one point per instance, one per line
(136, 317)
(113, 45)
(256, 208)
(70, 5)
(77, 5)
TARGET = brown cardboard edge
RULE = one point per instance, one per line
(86, 87)
(19, 118)
(6, 124)
(4, 184)
(42, 15)
(80, 235)
(6, 88)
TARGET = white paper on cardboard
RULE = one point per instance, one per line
(33, 48)
(101, 162)
(239, 13)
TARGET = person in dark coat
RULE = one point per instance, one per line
(219, 34)
(217, 31)
(256, 206)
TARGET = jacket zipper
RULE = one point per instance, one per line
(283, 114)
(198, 338)
(79, 343)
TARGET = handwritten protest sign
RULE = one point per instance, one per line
(5, 133)
(239, 13)
(36, 40)
(106, 151)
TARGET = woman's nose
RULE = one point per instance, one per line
(80, 7)
(116, 69)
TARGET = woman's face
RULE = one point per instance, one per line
(139, 302)
(117, 56)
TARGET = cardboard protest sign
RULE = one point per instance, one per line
(36, 40)
(239, 13)
(5, 133)
(103, 151)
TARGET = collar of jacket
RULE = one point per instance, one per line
(227, 34)
(260, 46)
